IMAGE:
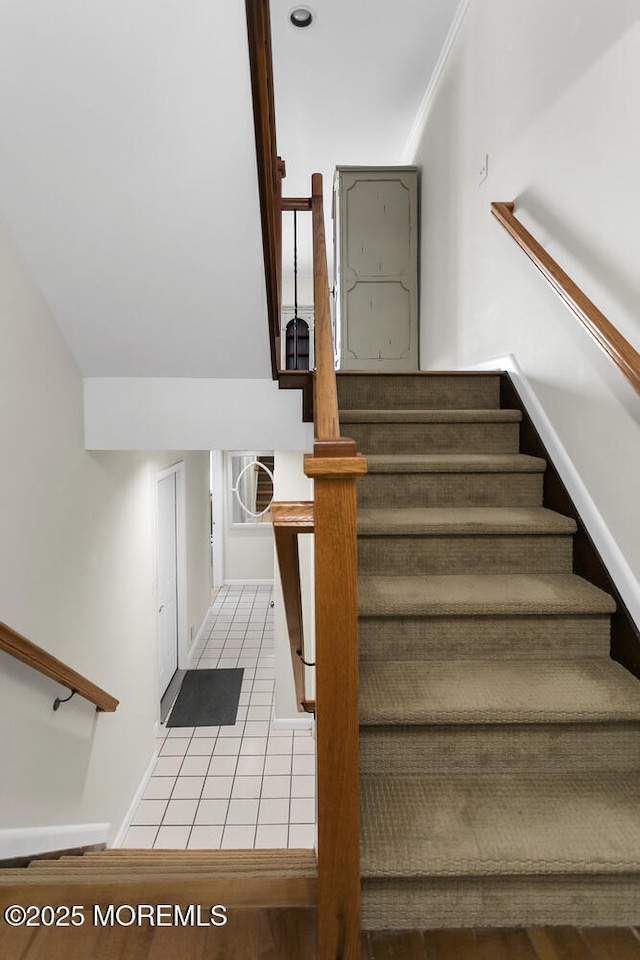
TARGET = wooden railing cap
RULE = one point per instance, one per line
(336, 467)
(606, 335)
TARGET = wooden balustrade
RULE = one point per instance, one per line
(289, 520)
(335, 467)
(327, 426)
(271, 169)
(22, 649)
(337, 729)
(271, 172)
(623, 354)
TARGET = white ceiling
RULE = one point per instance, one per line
(127, 165)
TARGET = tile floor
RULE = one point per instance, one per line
(242, 786)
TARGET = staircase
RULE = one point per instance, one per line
(153, 904)
(264, 486)
(235, 878)
(500, 745)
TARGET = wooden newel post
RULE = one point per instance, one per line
(336, 615)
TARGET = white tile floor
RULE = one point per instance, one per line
(242, 786)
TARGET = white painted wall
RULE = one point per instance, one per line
(248, 554)
(77, 568)
(292, 484)
(550, 90)
(129, 182)
(155, 413)
(248, 547)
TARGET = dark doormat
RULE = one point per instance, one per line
(207, 698)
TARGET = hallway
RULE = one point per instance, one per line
(242, 786)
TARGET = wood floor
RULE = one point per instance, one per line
(289, 934)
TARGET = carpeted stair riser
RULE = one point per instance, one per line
(495, 901)
(497, 825)
(498, 748)
(375, 438)
(447, 555)
(418, 391)
(447, 489)
(485, 638)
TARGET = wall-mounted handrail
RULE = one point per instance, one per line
(617, 347)
(34, 656)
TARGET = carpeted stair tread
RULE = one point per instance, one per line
(430, 416)
(454, 463)
(490, 692)
(460, 521)
(532, 824)
(129, 865)
(464, 595)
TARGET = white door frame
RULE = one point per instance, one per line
(181, 556)
(218, 490)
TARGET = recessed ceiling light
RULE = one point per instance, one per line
(301, 17)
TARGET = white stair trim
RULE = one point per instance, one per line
(31, 841)
(615, 562)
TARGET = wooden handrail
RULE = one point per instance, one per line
(271, 169)
(335, 466)
(337, 723)
(295, 203)
(289, 520)
(271, 173)
(623, 354)
(22, 649)
(325, 392)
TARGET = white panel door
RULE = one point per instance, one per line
(167, 580)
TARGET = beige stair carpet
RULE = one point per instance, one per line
(500, 745)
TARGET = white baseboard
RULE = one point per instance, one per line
(31, 841)
(293, 723)
(619, 570)
(126, 823)
(248, 583)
